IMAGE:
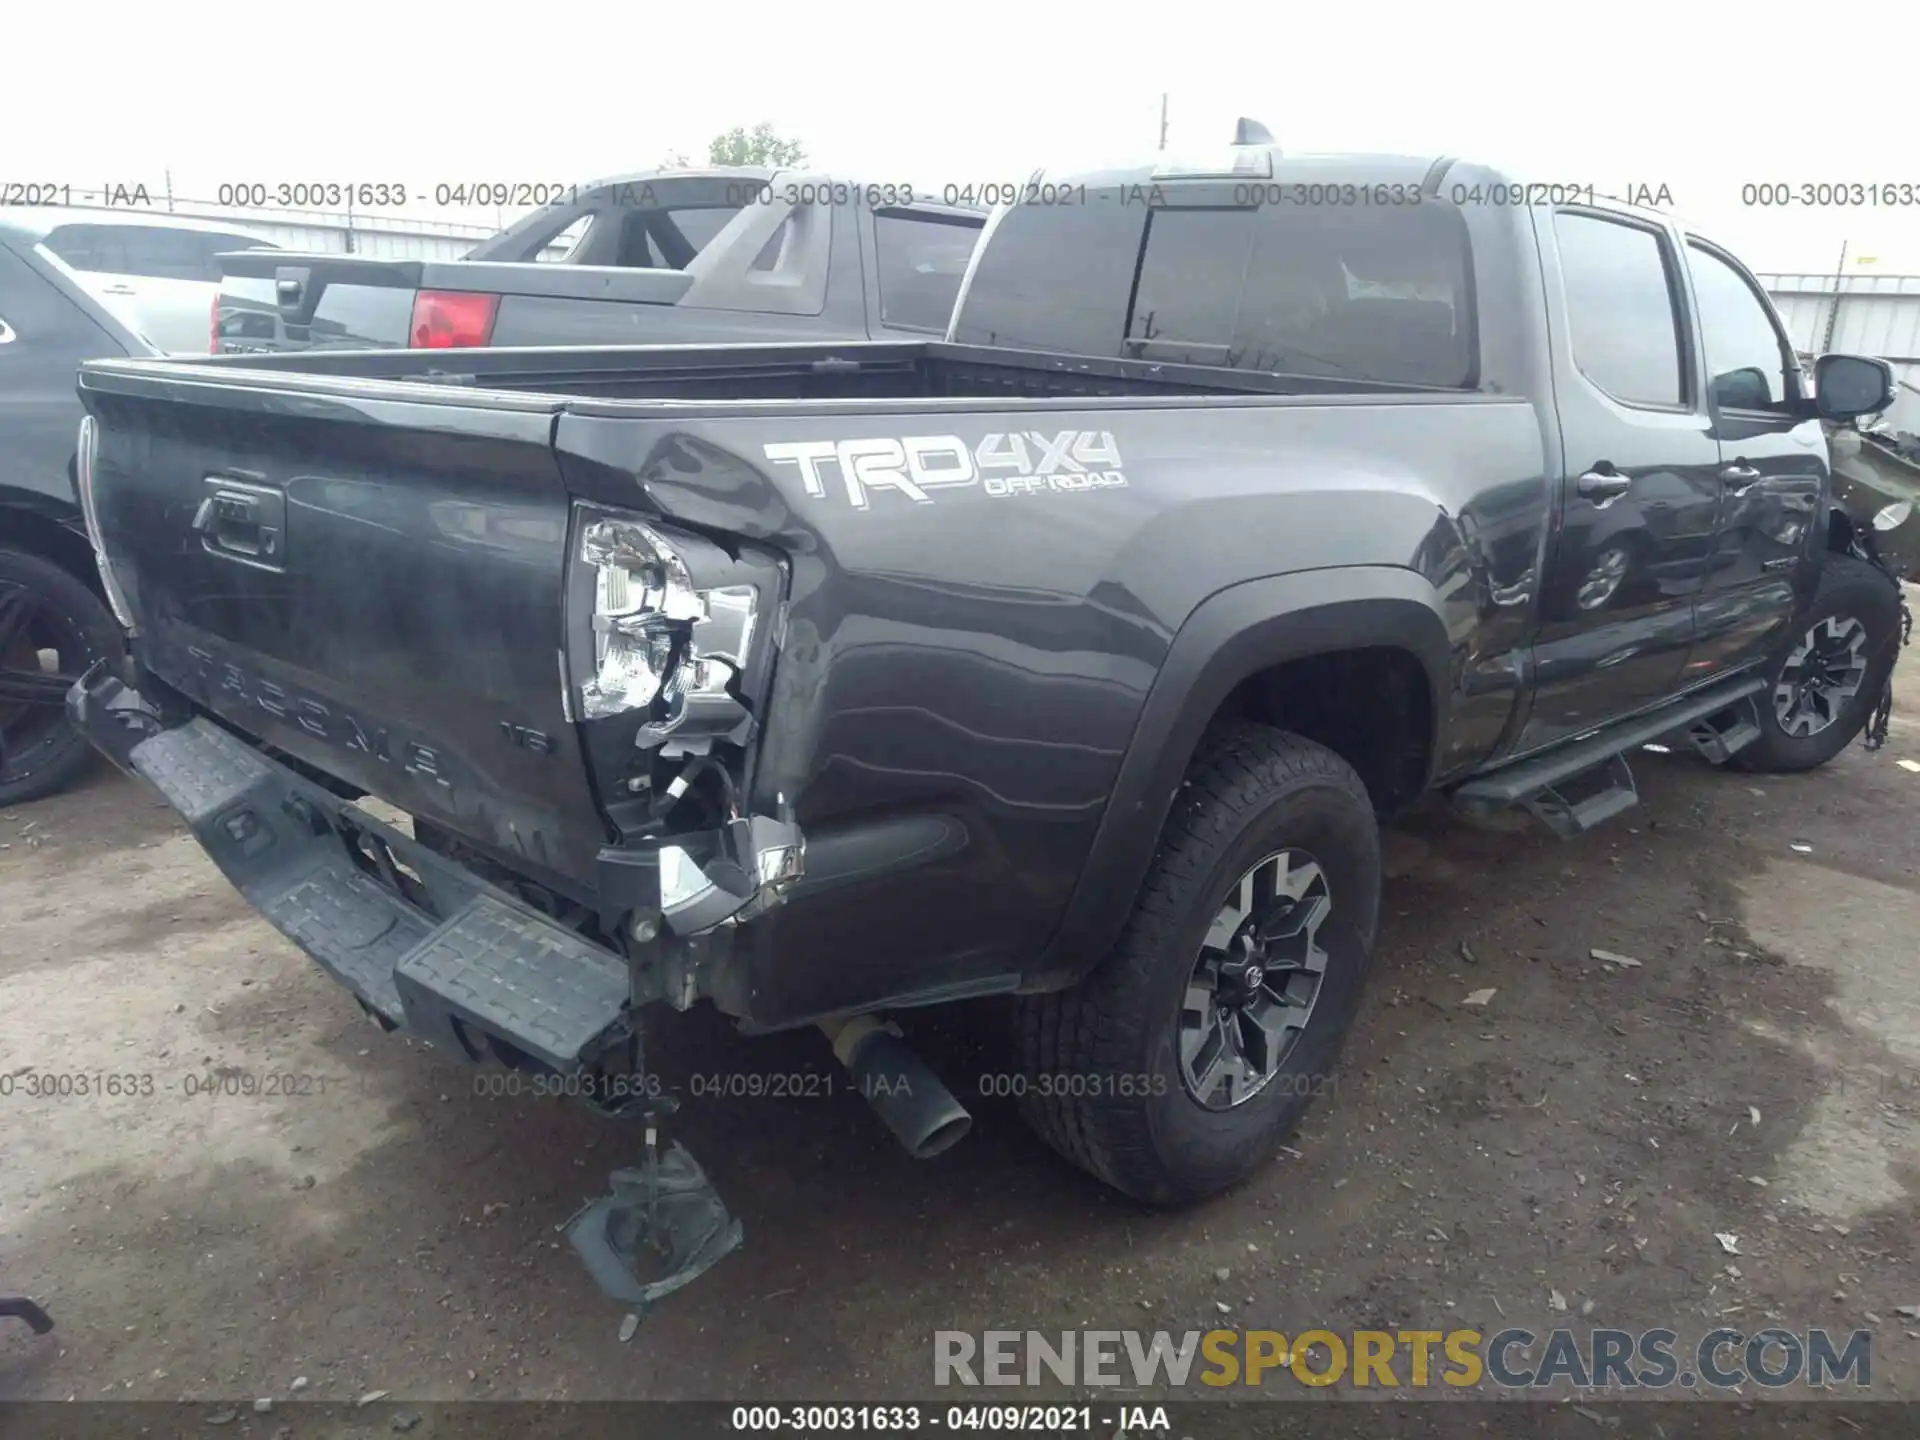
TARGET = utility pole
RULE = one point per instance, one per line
(1163, 119)
(1833, 315)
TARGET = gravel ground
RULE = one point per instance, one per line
(1583, 1137)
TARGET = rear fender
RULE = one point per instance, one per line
(1234, 634)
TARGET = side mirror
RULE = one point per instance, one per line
(1848, 386)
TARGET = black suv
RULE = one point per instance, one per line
(54, 620)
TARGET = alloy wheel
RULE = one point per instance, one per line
(1822, 674)
(1256, 981)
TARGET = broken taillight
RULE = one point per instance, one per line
(451, 319)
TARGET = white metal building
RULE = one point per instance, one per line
(1862, 314)
(378, 237)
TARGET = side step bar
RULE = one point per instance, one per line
(1575, 787)
(1720, 737)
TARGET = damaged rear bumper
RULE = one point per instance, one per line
(422, 943)
(428, 947)
(425, 944)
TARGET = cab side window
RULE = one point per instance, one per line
(93, 248)
(163, 254)
(1749, 365)
(1621, 319)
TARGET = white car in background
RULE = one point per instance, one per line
(156, 273)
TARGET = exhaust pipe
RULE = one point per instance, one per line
(909, 1098)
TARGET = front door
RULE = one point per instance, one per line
(1773, 476)
(1640, 487)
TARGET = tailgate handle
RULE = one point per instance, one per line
(243, 522)
(295, 293)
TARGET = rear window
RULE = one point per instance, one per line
(1380, 293)
(920, 266)
(153, 251)
(1054, 277)
(1367, 293)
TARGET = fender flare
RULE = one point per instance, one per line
(1233, 634)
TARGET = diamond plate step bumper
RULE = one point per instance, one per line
(422, 943)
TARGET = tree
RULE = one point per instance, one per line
(759, 146)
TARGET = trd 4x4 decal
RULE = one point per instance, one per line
(1025, 462)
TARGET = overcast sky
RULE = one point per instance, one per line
(1701, 99)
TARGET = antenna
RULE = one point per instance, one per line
(1251, 132)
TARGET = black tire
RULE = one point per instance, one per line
(1102, 1078)
(1851, 591)
(40, 752)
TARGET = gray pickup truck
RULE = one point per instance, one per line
(657, 258)
(1075, 658)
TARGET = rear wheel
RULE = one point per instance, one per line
(1823, 687)
(52, 627)
(1178, 1067)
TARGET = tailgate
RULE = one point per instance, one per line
(370, 585)
(279, 300)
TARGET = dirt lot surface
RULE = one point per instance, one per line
(1577, 1142)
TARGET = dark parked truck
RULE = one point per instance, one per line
(659, 258)
(1073, 658)
(54, 620)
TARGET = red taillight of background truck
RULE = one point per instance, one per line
(451, 319)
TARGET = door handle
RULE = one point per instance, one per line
(118, 290)
(1602, 487)
(1739, 477)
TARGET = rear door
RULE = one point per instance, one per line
(373, 586)
(1773, 477)
(1633, 534)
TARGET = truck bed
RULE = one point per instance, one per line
(746, 373)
